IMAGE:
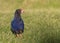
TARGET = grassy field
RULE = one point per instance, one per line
(41, 19)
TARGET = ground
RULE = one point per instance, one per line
(41, 19)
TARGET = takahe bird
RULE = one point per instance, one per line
(17, 24)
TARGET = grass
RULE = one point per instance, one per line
(41, 18)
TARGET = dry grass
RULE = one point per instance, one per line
(41, 18)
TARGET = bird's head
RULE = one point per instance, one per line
(19, 11)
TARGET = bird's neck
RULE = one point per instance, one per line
(17, 18)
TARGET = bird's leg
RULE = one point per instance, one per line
(17, 35)
(20, 34)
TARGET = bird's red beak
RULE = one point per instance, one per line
(22, 11)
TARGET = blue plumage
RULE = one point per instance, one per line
(17, 23)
